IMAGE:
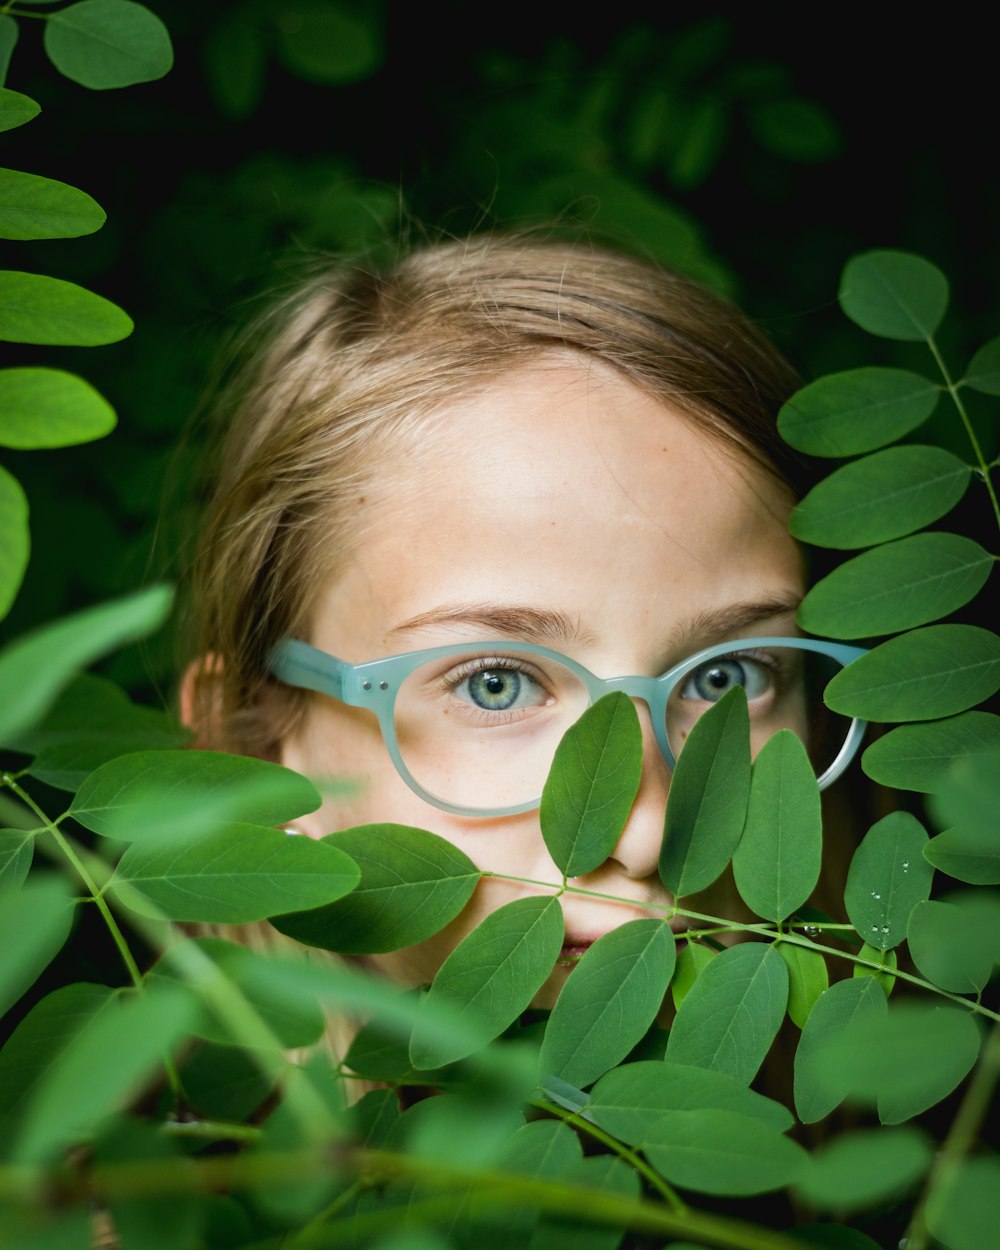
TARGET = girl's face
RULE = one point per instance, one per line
(563, 506)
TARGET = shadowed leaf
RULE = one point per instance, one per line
(108, 43)
(722, 1152)
(820, 1086)
(887, 878)
(32, 207)
(896, 295)
(919, 757)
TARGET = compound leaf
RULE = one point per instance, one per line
(412, 884)
(896, 295)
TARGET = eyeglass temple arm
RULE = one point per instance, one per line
(299, 664)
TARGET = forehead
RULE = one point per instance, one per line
(564, 481)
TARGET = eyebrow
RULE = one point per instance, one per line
(734, 618)
(515, 621)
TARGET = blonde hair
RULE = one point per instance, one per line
(357, 359)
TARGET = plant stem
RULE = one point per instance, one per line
(953, 390)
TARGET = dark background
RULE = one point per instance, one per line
(755, 146)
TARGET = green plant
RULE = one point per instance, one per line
(181, 1104)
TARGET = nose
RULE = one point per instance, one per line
(637, 852)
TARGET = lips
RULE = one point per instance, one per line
(577, 945)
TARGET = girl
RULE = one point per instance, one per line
(523, 468)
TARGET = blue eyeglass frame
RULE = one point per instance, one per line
(375, 683)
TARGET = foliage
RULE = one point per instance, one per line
(177, 1102)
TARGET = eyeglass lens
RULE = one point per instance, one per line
(481, 730)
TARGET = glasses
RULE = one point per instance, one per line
(473, 727)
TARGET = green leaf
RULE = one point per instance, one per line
(907, 1060)
(490, 978)
(34, 924)
(918, 757)
(935, 671)
(864, 1167)
(38, 309)
(707, 800)
(323, 43)
(16, 848)
(732, 1014)
(50, 408)
(102, 1068)
(969, 794)
(223, 1083)
(691, 960)
(91, 722)
(235, 56)
(796, 128)
(896, 295)
(896, 586)
(776, 864)
(35, 668)
(887, 878)
(819, 1086)
(808, 977)
(16, 109)
(971, 855)
(628, 1100)
(722, 1152)
(151, 795)
(232, 875)
(15, 546)
(884, 971)
(983, 373)
(39, 1039)
(834, 1237)
(412, 884)
(885, 495)
(294, 1019)
(108, 43)
(963, 1212)
(32, 207)
(592, 1174)
(9, 31)
(608, 1002)
(592, 785)
(946, 945)
(859, 410)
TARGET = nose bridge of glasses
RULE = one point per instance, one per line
(652, 692)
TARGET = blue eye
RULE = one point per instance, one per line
(498, 687)
(711, 680)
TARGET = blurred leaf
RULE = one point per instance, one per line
(861, 1168)
(905, 1061)
(592, 1174)
(834, 1237)
(100, 1069)
(32, 207)
(896, 295)
(223, 1083)
(45, 1229)
(234, 874)
(8, 42)
(896, 586)
(38, 309)
(50, 408)
(808, 977)
(983, 373)
(16, 109)
(376, 1057)
(707, 800)
(150, 795)
(16, 545)
(971, 855)
(294, 1019)
(457, 1129)
(732, 1013)
(412, 884)
(947, 947)
(722, 1152)
(700, 143)
(963, 1212)
(859, 410)
(628, 1100)
(838, 1011)
(884, 974)
(968, 794)
(918, 757)
(490, 978)
(776, 864)
(34, 924)
(323, 42)
(592, 785)
(608, 1002)
(885, 495)
(887, 878)
(16, 849)
(91, 722)
(235, 59)
(796, 129)
(108, 43)
(39, 1039)
(691, 960)
(935, 671)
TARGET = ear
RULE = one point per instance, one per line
(199, 699)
